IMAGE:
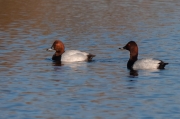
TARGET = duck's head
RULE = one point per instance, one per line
(58, 46)
(131, 46)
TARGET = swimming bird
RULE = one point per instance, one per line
(134, 63)
(69, 55)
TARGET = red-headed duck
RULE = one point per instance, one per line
(135, 64)
(69, 55)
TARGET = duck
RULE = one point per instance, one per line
(135, 64)
(68, 55)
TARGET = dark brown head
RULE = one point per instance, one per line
(131, 46)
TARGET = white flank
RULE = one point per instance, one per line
(146, 64)
(74, 56)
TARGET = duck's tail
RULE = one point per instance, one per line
(162, 65)
(90, 57)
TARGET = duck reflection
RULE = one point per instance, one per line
(133, 73)
(57, 63)
(73, 66)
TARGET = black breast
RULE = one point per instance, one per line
(56, 58)
(130, 64)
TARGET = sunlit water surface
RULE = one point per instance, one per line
(33, 86)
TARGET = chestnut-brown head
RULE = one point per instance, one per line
(58, 46)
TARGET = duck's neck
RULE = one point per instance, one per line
(133, 58)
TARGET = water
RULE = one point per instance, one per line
(32, 86)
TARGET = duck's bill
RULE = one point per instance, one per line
(49, 49)
(121, 48)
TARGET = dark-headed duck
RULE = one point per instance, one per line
(69, 55)
(135, 64)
